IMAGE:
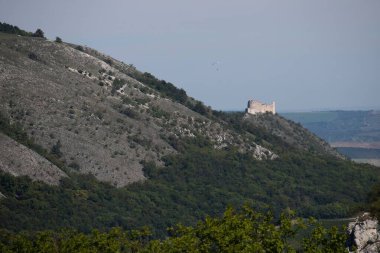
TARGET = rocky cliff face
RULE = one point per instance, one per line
(364, 235)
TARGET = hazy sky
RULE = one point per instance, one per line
(305, 55)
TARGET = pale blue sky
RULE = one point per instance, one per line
(305, 55)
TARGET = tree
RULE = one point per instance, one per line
(39, 33)
(323, 240)
(250, 231)
(199, 107)
(80, 48)
(58, 40)
(56, 149)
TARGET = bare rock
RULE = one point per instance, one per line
(26, 162)
(364, 234)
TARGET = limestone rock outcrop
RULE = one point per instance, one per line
(364, 235)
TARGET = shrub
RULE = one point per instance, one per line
(130, 113)
(58, 40)
(80, 48)
(56, 149)
(39, 33)
(117, 84)
(7, 28)
(33, 56)
(158, 113)
(162, 86)
(108, 61)
(74, 165)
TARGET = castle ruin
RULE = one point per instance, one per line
(255, 107)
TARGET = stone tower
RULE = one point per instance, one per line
(255, 107)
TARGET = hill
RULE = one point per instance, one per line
(341, 126)
(102, 117)
(355, 134)
(133, 150)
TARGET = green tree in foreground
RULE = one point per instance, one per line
(245, 231)
(374, 201)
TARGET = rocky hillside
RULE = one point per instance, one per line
(105, 121)
(73, 115)
(292, 134)
(19, 160)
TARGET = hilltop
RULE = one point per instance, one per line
(115, 146)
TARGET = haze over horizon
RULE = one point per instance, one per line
(305, 55)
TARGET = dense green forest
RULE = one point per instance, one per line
(200, 182)
(373, 201)
(234, 231)
(197, 182)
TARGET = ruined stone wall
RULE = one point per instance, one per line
(255, 107)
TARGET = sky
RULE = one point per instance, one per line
(305, 55)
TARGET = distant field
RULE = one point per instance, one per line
(375, 162)
(311, 117)
(364, 153)
(355, 144)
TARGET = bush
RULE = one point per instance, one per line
(7, 28)
(117, 84)
(39, 33)
(74, 165)
(58, 40)
(80, 48)
(108, 61)
(200, 108)
(33, 56)
(130, 113)
(158, 113)
(56, 149)
(162, 86)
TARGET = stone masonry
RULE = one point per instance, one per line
(255, 107)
